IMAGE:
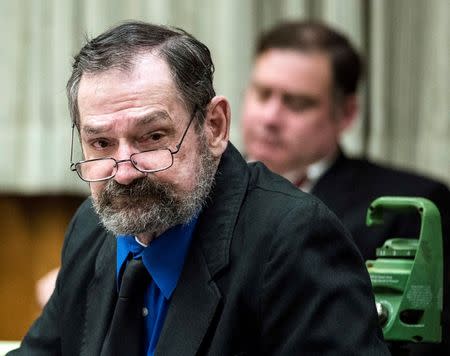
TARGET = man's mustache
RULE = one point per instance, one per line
(137, 189)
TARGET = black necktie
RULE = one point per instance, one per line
(126, 332)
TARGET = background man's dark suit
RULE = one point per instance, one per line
(270, 272)
(350, 185)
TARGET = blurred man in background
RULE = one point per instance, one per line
(301, 98)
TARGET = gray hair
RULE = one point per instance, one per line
(188, 59)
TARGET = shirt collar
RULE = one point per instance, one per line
(164, 257)
(313, 173)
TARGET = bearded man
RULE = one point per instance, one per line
(183, 247)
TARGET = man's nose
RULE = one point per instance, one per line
(271, 114)
(126, 172)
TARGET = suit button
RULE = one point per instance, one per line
(144, 312)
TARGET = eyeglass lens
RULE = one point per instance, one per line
(149, 161)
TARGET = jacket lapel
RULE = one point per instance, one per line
(338, 175)
(101, 298)
(191, 309)
(197, 299)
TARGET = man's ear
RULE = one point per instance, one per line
(348, 112)
(217, 125)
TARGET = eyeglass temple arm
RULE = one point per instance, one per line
(185, 131)
(72, 164)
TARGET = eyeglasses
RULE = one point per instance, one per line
(151, 161)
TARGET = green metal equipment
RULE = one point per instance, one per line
(407, 275)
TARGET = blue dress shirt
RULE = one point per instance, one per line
(164, 259)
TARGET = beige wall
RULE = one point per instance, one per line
(405, 117)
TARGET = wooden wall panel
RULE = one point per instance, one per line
(30, 244)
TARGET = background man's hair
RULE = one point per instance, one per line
(312, 36)
(189, 61)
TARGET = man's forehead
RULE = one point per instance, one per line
(293, 70)
(149, 83)
(97, 125)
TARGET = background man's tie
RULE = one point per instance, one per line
(126, 332)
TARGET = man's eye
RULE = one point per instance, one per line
(156, 136)
(263, 93)
(150, 138)
(100, 144)
(297, 104)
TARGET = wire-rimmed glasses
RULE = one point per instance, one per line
(150, 161)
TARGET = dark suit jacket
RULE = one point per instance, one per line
(350, 185)
(271, 271)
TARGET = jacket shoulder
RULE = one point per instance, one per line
(274, 198)
(396, 176)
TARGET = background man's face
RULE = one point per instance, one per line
(122, 113)
(288, 114)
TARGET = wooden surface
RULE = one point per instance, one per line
(30, 244)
